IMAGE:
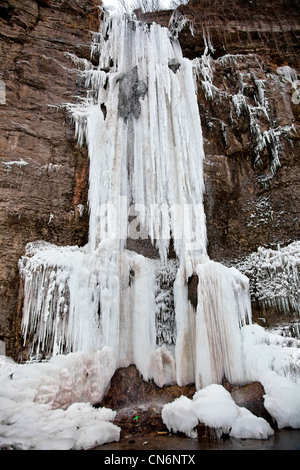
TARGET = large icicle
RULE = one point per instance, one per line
(209, 345)
(223, 307)
(141, 149)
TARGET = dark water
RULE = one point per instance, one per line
(285, 439)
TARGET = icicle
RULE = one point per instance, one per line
(223, 307)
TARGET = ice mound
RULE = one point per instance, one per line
(48, 405)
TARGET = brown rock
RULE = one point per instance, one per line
(251, 396)
(139, 403)
(43, 173)
(141, 420)
(192, 290)
(128, 388)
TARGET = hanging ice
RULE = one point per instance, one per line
(143, 131)
(208, 344)
(141, 124)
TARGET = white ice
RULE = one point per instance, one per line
(209, 345)
(274, 275)
(214, 407)
(267, 360)
(45, 406)
(145, 159)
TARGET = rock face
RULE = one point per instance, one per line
(139, 403)
(43, 173)
(247, 55)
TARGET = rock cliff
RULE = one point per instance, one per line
(251, 183)
(246, 56)
(43, 173)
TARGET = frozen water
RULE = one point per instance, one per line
(274, 277)
(266, 359)
(208, 343)
(146, 181)
(45, 406)
(214, 407)
(92, 309)
(269, 360)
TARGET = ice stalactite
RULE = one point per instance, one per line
(141, 124)
(208, 344)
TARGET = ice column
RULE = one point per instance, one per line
(146, 149)
(209, 346)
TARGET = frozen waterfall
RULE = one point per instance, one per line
(141, 124)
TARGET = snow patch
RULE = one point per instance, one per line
(45, 406)
(214, 407)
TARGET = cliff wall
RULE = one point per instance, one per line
(248, 94)
(43, 173)
(251, 181)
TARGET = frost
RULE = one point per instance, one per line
(178, 22)
(269, 139)
(262, 214)
(80, 208)
(290, 331)
(51, 168)
(19, 163)
(288, 75)
(274, 277)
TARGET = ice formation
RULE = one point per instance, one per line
(271, 138)
(268, 359)
(141, 125)
(274, 276)
(214, 407)
(48, 406)
(208, 343)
